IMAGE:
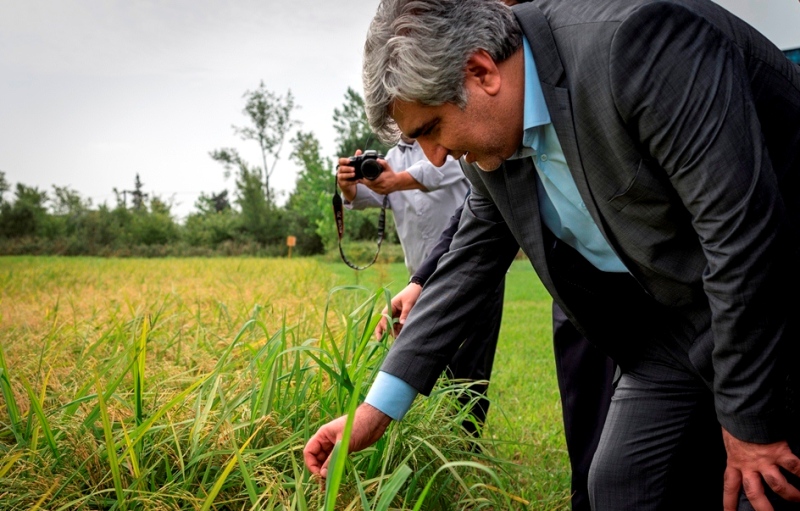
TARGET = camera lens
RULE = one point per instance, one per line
(371, 169)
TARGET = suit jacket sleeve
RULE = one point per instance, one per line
(682, 89)
(481, 252)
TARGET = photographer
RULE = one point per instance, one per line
(421, 196)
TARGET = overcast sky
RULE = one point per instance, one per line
(93, 92)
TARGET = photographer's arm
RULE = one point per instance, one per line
(390, 181)
(434, 178)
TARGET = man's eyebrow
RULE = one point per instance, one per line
(422, 129)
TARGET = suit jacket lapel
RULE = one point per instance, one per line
(526, 223)
(551, 74)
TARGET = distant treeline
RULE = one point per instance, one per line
(62, 222)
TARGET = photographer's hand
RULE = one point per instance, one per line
(402, 303)
(344, 177)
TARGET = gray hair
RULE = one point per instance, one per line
(417, 50)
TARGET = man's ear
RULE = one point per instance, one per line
(483, 72)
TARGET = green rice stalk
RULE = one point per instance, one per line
(362, 494)
(202, 412)
(140, 352)
(34, 436)
(392, 487)
(299, 491)
(224, 475)
(262, 400)
(8, 394)
(344, 383)
(10, 462)
(36, 405)
(134, 453)
(180, 451)
(451, 466)
(248, 480)
(111, 450)
(44, 497)
(142, 430)
(91, 417)
(336, 464)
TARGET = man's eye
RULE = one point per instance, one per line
(430, 128)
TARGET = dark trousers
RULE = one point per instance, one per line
(474, 359)
(585, 382)
(661, 446)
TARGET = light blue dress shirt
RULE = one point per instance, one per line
(560, 206)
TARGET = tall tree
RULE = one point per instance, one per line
(311, 197)
(271, 121)
(27, 215)
(251, 198)
(213, 203)
(4, 185)
(66, 201)
(352, 129)
(139, 197)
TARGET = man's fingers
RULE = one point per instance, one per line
(791, 463)
(324, 470)
(730, 489)
(754, 491)
(781, 486)
(319, 447)
(381, 328)
(314, 456)
(383, 324)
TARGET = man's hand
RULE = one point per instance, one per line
(344, 177)
(390, 181)
(402, 303)
(369, 425)
(748, 463)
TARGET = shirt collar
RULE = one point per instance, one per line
(535, 113)
(404, 145)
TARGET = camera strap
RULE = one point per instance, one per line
(338, 215)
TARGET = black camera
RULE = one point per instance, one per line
(366, 165)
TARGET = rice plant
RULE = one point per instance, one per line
(191, 385)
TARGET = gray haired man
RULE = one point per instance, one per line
(644, 156)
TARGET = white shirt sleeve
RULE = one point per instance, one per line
(432, 177)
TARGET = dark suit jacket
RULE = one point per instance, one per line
(681, 127)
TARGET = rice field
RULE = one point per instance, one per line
(195, 383)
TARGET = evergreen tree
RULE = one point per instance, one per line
(4, 186)
(352, 129)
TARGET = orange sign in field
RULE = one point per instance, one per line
(290, 242)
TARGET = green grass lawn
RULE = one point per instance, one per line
(194, 384)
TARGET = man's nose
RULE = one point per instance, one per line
(435, 153)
